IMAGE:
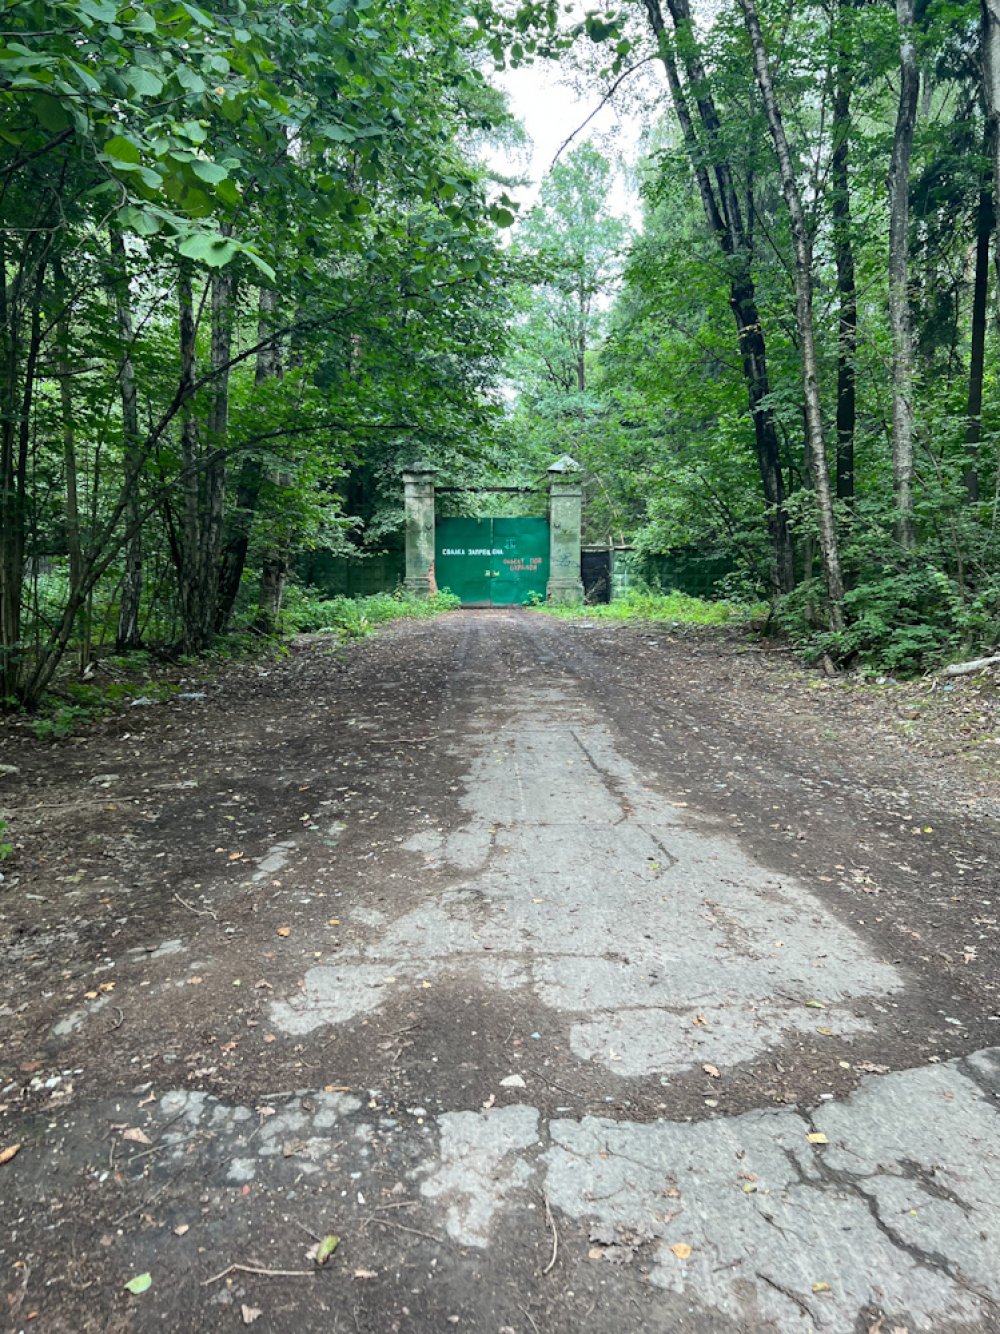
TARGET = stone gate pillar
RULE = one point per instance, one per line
(418, 484)
(565, 587)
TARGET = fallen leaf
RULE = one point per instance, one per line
(749, 1188)
(235, 856)
(181, 1228)
(334, 921)
(821, 1287)
(250, 1313)
(136, 1136)
(141, 1283)
(11, 1151)
(595, 1253)
(817, 1138)
(284, 930)
(270, 1037)
(827, 1032)
(681, 1249)
(712, 1070)
(326, 1248)
(815, 1005)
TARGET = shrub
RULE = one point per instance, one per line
(353, 618)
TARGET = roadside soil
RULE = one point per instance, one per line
(263, 951)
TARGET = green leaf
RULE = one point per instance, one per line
(141, 1283)
(144, 82)
(140, 221)
(259, 263)
(209, 171)
(101, 11)
(215, 251)
(122, 149)
(51, 114)
(326, 1248)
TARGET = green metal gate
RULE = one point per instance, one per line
(493, 562)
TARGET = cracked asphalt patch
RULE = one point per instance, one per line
(498, 991)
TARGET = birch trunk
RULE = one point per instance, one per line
(189, 540)
(129, 635)
(249, 479)
(802, 248)
(977, 353)
(899, 278)
(725, 221)
(843, 247)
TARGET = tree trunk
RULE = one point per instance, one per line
(15, 436)
(274, 572)
(980, 297)
(129, 635)
(802, 249)
(725, 221)
(248, 483)
(843, 247)
(276, 559)
(74, 545)
(189, 538)
(214, 486)
(899, 278)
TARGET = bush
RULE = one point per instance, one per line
(353, 618)
(903, 621)
(678, 608)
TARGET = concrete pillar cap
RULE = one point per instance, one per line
(564, 464)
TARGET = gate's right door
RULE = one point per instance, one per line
(521, 570)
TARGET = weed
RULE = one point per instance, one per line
(677, 608)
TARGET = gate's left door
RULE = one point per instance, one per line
(464, 559)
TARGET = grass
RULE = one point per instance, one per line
(675, 608)
(354, 618)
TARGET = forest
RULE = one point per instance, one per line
(256, 260)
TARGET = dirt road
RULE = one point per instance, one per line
(578, 978)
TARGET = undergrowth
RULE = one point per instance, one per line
(676, 608)
(353, 618)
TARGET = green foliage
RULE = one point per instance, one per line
(675, 608)
(84, 702)
(6, 847)
(355, 618)
(312, 174)
(903, 621)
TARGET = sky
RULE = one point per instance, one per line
(551, 111)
